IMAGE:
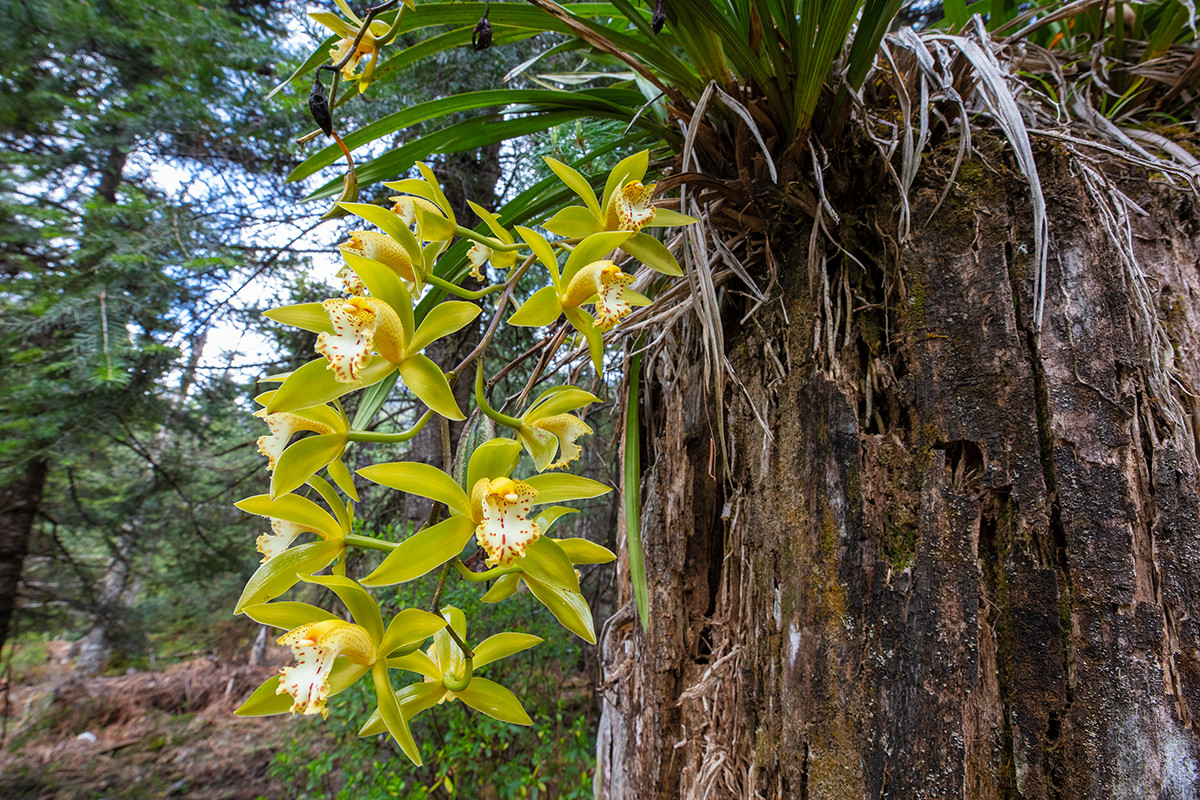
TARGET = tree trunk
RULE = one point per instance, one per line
(20, 499)
(962, 561)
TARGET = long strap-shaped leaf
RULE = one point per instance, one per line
(632, 484)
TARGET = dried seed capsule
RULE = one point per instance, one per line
(319, 107)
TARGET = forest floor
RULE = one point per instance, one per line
(169, 734)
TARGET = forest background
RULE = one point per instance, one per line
(146, 222)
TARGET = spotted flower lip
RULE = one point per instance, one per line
(603, 283)
(504, 529)
(360, 325)
(558, 433)
(315, 647)
(630, 209)
(284, 532)
(478, 255)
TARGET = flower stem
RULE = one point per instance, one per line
(480, 577)
(488, 411)
(367, 543)
(454, 289)
(384, 438)
(487, 241)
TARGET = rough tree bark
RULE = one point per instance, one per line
(963, 563)
(20, 500)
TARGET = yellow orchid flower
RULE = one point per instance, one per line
(315, 647)
(585, 280)
(373, 39)
(624, 206)
(495, 512)
(332, 655)
(547, 429)
(629, 209)
(603, 284)
(449, 674)
(283, 427)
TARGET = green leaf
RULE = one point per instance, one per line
(362, 606)
(443, 320)
(293, 508)
(410, 626)
(423, 552)
(503, 645)
(287, 614)
(631, 483)
(304, 458)
(276, 576)
(389, 710)
(585, 551)
(305, 316)
(489, 697)
(580, 186)
(495, 458)
(569, 608)
(313, 384)
(424, 480)
(559, 487)
(546, 561)
(542, 308)
(426, 380)
(372, 400)
(504, 588)
(653, 253)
